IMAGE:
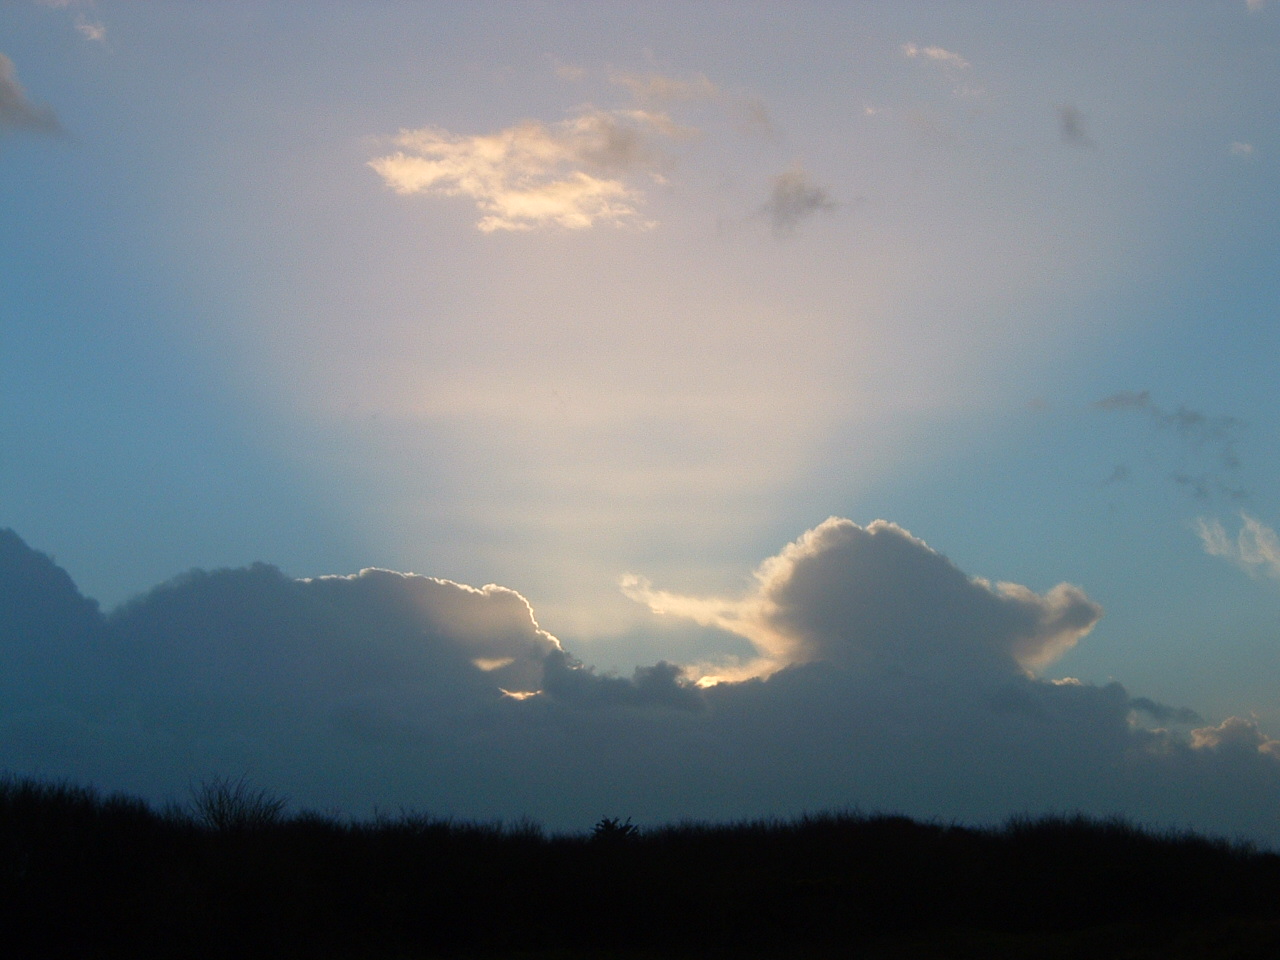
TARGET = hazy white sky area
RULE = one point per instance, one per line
(608, 304)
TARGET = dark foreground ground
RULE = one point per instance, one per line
(233, 876)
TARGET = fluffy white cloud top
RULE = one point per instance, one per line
(876, 597)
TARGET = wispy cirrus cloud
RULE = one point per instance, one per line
(937, 54)
(658, 90)
(953, 67)
(568, 72)
(93, 30)
(89, 28)
(17, 110)
(1202, 435)
(1255, 548)
(573, 174)
(1199, 429)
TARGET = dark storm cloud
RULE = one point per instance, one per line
(906, 690)
(17, 111)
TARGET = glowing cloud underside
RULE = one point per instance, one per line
(571, 174)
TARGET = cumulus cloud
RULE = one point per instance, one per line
(876, 597)
(573, 174)
(1237, 735)
(898, 683)
(793, 199)
(1072, 127)
(17, 111)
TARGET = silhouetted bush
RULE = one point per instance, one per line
(233, 805)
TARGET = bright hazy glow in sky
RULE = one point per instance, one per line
(614, 306)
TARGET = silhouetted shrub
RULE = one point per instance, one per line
(230, 805)
(614, 830)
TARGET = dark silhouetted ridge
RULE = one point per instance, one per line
(234, 876)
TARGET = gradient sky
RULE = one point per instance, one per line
(610, 303)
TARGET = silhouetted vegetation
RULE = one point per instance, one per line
(232, 875)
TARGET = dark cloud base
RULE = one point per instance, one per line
(396, 691)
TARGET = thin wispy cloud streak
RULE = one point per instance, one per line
(92, 30)
(936, 54)
(1254, 549)
(1200, 433)
(660, 91)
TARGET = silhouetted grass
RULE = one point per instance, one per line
(233, 875)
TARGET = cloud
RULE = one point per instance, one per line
(572, 174)
(793, 199)
(91, 29)
(1119, 474)
(1235, 735)
(656, 89)
(1163, 713)
(1241, 149)
(1254, 6)
(1200, 432)
(17, 112)
(1254, 549)
(569, 72)
(936, 54)
(901, 685)
(876, 597)
(1072, 127)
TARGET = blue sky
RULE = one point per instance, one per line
(546, 295)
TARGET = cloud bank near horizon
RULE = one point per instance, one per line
(897, 682)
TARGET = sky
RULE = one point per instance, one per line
(734, 410)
